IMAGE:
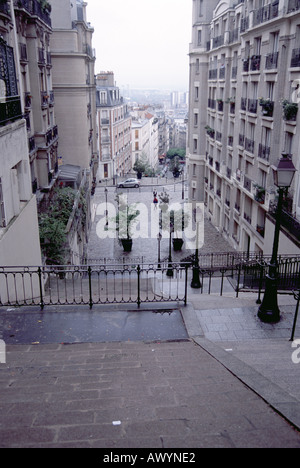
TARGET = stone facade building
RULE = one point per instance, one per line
(19, 234)
(114, 128)
(244, 78)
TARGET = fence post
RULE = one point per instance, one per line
(42, 304)
(260, 283)
(186, 283)
(139, 286)
(238, 281)
(297, 297)
(90, 287)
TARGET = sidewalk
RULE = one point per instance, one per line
(200, 391)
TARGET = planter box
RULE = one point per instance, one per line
(127, 244)
(177, 244)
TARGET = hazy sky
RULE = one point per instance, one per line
(145, 43)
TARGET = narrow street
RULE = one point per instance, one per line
(144, 249)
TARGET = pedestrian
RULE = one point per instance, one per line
(155, 201)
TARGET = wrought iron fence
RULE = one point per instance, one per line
(93, 284)
(219, 274)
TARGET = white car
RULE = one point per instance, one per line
(129, 183)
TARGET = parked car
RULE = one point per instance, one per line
(129, 183)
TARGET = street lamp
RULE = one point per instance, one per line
(159, 236)
(196, 283)
(283, 176)
(106, 211)
(170, 271)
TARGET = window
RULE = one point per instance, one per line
(288, 146)
(195, 145)
(257, 45)
(274, 41)
(2, 211)
(199, 37)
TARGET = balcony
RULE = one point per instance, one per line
(266, 13)
(255, 63)
(5, 8)
(291, 224)
(233, 36)
(252, 106)
(243, 104)
(246, 64)
(249, 145)
(219, 136)
(28, 98)
(218, 41)
(34, 8)
(31, 144)
(247, 184)
(241, 140)
(10, 110)
(213, 74)
(295, 61)
(220, 105)
(244, 24)
(212, 104)
(51, 135)
(248, 218)
(44, 98)
(222, 73)
(264, 152)
(267, 107)
(293, 5)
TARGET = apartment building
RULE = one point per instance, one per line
(73, 60)
(19, 234)
(145, 135)
(114, 129)
(244, 80)
(32, 33)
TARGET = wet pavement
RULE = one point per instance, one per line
(80, 325)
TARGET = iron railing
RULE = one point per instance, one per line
(227, 273)
(93, 284)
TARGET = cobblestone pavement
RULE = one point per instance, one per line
(131, 395)
(147, 249)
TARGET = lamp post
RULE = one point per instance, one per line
(283, 176)
(196, 283)
(159, 236)
(170, 271)
(106, 211)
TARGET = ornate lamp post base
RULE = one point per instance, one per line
(196, 283)
(268, 311)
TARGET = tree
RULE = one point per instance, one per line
(141, 165)
(172, 153)
(124, 220)
(52, 225)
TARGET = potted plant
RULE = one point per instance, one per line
(124, 220)
(174, 221)
(260, 194)
(267, 106)
(290, 110)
